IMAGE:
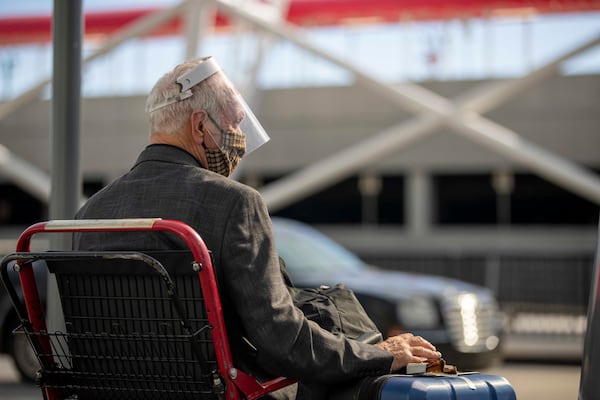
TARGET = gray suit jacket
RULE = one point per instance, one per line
(169, 183)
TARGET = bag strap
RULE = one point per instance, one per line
(286, 276)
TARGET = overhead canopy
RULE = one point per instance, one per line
(37, 28)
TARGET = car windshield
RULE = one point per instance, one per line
(306, 250)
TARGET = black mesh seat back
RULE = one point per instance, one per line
(124, 338)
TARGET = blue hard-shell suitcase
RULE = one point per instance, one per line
(475, 386)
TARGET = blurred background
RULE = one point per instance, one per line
(457, 138)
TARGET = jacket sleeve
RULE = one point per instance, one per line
(287, 343)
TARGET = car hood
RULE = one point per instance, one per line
(394, 284)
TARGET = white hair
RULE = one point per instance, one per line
(172, 119)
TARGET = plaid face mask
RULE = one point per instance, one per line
(223, 160)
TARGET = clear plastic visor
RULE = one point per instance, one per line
(234, 117)
(237, 120)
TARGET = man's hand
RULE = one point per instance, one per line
(408, 348)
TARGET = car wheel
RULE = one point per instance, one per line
(22, 354)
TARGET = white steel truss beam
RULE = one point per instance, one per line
(420, 100)
(432, 111)
(26, 175)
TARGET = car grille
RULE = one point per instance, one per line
(472, 322)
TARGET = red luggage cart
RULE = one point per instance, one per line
(137, 324)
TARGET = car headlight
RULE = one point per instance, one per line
(418, 313)
(472, 321)
(468, 312)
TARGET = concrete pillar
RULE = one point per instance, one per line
(418, 213)
(370, 187)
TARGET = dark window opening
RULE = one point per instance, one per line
(391, 201)
(337, 204)
(18, 207)
(470, 199)
(90, 187)
(464, 199)
(537, 201)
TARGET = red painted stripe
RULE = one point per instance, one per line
(31, 29)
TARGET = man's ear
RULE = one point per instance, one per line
(197, 119)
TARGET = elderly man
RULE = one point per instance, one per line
(200, 128)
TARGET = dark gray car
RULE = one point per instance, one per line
(461, 319)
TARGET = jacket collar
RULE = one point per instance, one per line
(167, 153)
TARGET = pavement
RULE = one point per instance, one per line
(10, 386)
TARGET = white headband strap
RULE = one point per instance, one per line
(198, 74)
(190, 79)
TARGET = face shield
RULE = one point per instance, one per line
(235, 118)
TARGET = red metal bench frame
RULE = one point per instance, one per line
(238, 383)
